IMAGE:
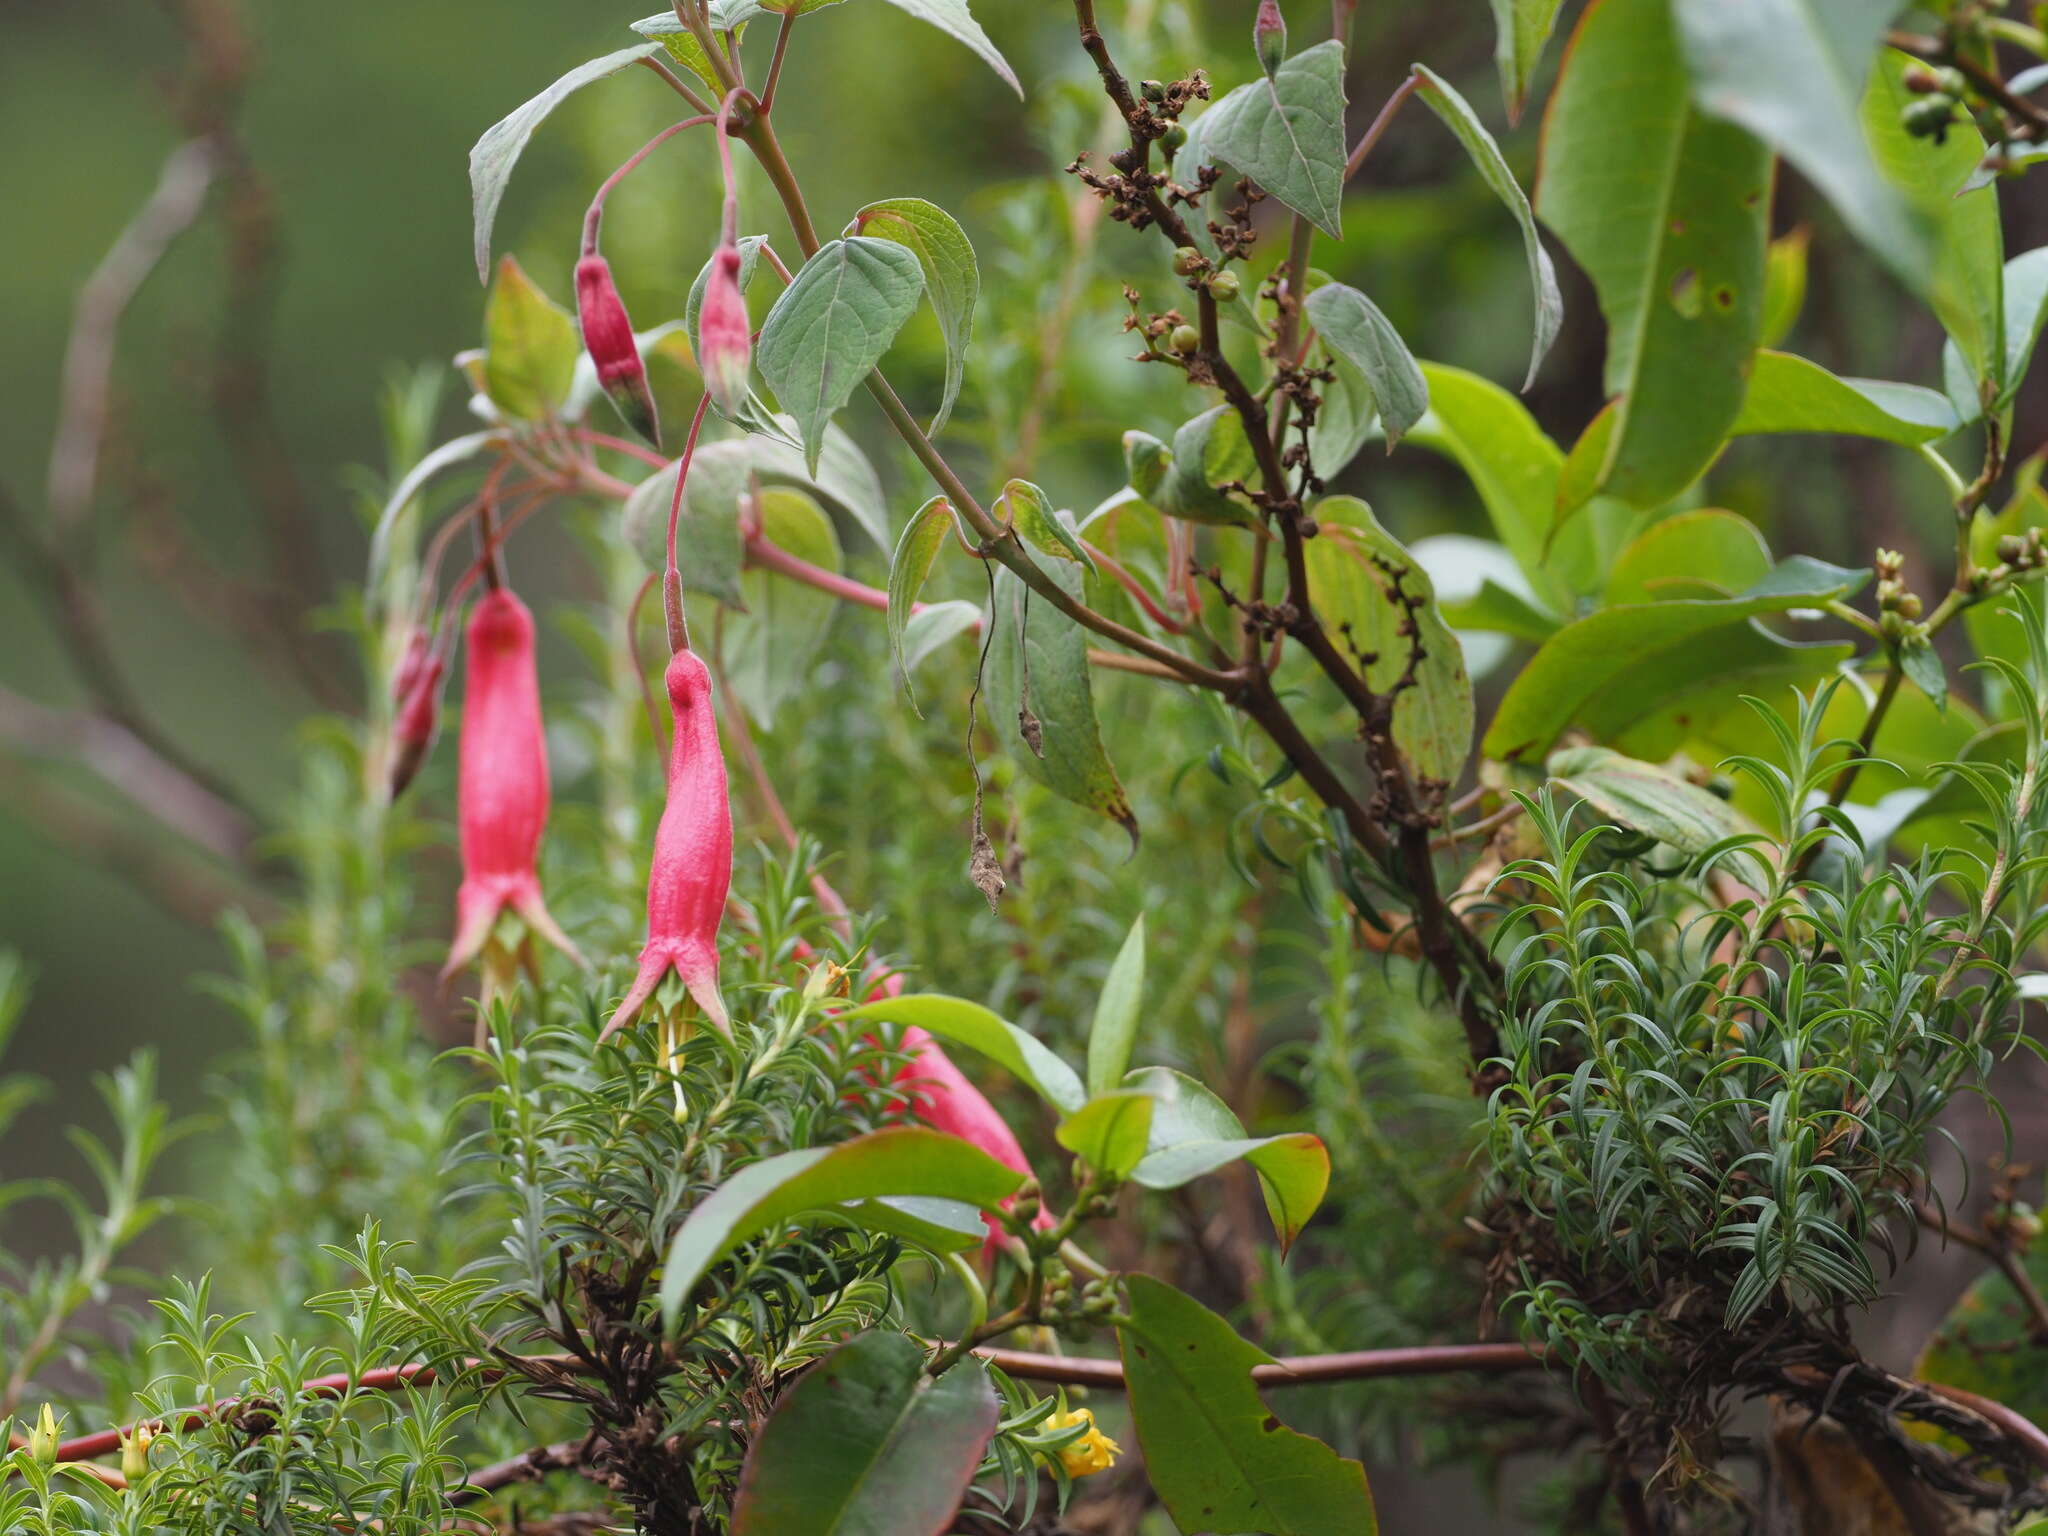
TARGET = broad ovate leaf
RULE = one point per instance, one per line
(1287, 134)
(1195, 1133)
(1353, 327)
(530, 347)
(952, 280)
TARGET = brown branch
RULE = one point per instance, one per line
(527, 1467)
(1291, 1371)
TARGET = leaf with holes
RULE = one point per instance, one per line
(1668, 212)
(952, 281)
(864, 1445)
(1217, 1456)
(1287, 134)
(1351, 325)
(491, 161)
(831, 326)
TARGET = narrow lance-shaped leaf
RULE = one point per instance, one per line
(970, 1024)
(1459, 117)
(1352, 326)
(1217, 1456)
(864, 1445)
(915, 551)
(902, 1160)
(1116, 1012)
(491, 161)
(1792, 394)
(954, 19)
(1287, 134)
(832, 325)
(952, 280)
(1521, 28)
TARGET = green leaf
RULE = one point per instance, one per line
(952, 280)
(1614, 670)
(1703, 553)
(969, 1024)
(1287, 134)
(530, 347)
(1195, 1133)
(1516, 468)
(943, 1226)
(1037, 681)
(1345, 421)
(1521, 28)
(668, 29)
(1784, 285)
(1115, 1027)
(1147, 463)
(1644, 797)
(1668, 212)
(2026, 307)
(1352, 326)
(708, 551)
(1495, 609)
(1459, 117)
(932, 626)
(1217, 1457)
(768, 648)
(1793, 73)
(843, 479)
(831, 326)
(902, 1160)
(1209, 450)
(494, 155)
(1356, 571)
(864, 1445)
(1791, 394)
(915, 551)
(1966, 287)
(1024, 507)
(1109, 1132)
(954, 19)
(1921, 662)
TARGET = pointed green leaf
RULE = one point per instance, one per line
(1024, 507)
(1287, 134)
(1644, 797)
(1115, 1028)
(768, 648)
(1668, 212)
(1217, 1456)
(530, 347)
(943, 1226)
(969, 1024)
(954, 19)
(1791, 394)
(902, 1160)
(1521, 28)
(1038, 683)
(915, 552)
(1109, 1132)
(1784, 285)
(952, 280)
(491, 161)
(667, 29)
(1353, 327)
(1793, 73)
(933, 625)
(1195, 1133)
(864, 1445)
(831, 326)
(1459, 117)
(1702, 553)
(1209, 452)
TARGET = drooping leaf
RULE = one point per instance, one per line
(1792, 394)
(969, 1024)
(1459, 117)
(1784, 285)
(1024, 507)
(915, 552)
(1521, 28)
(1614, 670)
(769, 647)
(831, 326)
(1358, 573)
(1644, 797)
(952, 280)
(1965, 286)
(1038, 685)
(942, 1226)
(1109, 1132)
(1668, 212)
(901, 1160)
(1351, 325)
(1217, 1456)
(492, 159)
(1115, 1027)
(1793, 73)
(1921, 662)
(864, 1445)
(1195, 1133)
(1287, 134)
(932, 626)
(2026, 307)
(1703, 553)
(954, 19)
(530, 347)
(1209, 452)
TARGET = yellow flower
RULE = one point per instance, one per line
(1092, 1452)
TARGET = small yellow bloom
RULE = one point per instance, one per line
(135, 1453)
(42, 1440)
(1092, 1452)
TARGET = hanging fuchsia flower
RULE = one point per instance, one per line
(417, 688)
(608, 338)
(692, 869)
(724, 333)
(502, 804)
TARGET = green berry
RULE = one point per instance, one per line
(1185, 339)
(1174, 137)
(1187, 261)
(1223, 287)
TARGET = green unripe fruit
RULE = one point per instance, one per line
(1909, 605)
(1174, 138)
(1223, 287)
(1929, 117)
(1187, 261)
(1185, 339)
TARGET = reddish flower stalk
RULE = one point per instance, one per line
(503, 795)
(724, 335)
(692, 867)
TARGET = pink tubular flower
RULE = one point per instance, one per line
(502, 803)
(723, 332)
(417, 687)
(608, 338)
(692, 868)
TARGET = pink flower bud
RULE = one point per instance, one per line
(502, 797)
(692, 868)
(608, 337)
(412, 662)
(413, 728)
(724, 334)
(1269, 35)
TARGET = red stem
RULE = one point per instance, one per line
(596, 214)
